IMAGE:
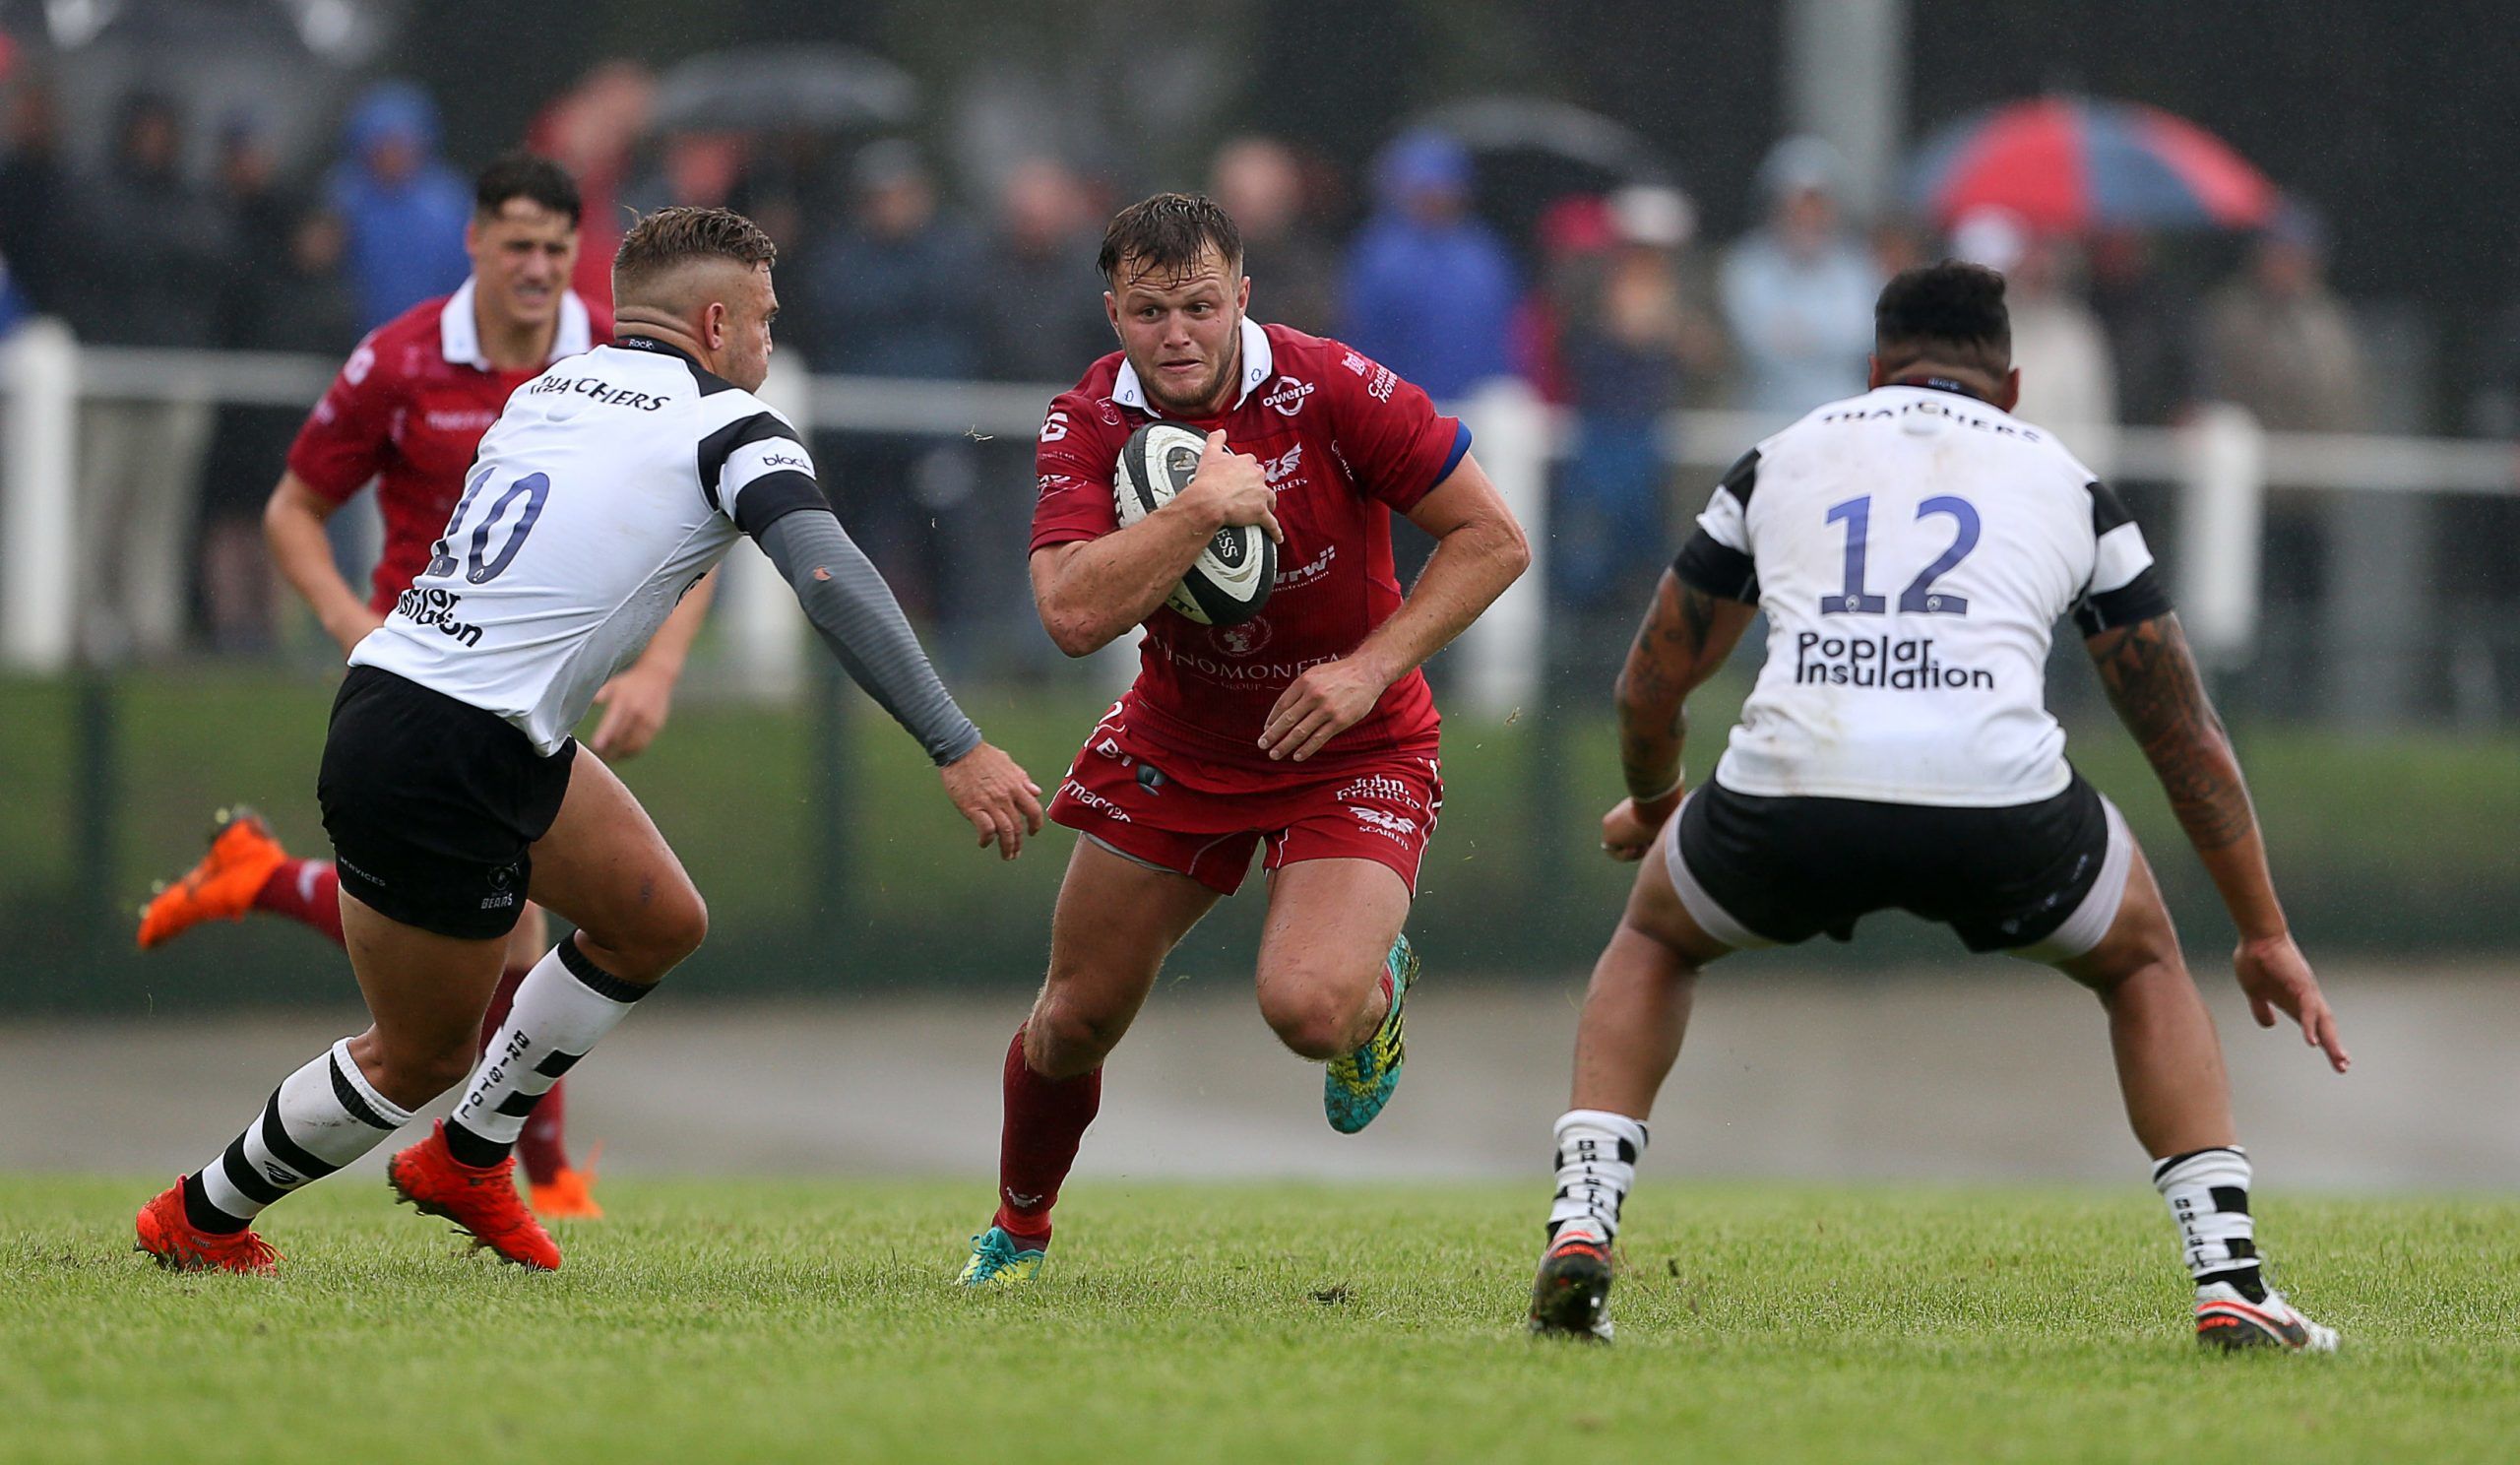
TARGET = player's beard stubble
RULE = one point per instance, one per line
(1209, 399)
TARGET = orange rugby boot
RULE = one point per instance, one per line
(482, 1201)
(223, 886)
(568, 1195)
(169, 1235)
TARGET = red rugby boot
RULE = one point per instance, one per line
(483, 1202)
(168, 1235)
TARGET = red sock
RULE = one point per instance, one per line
(544, 1146)
(306, 891)
(1045, 1119)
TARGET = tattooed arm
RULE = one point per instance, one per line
(1686, 637)
(2152, 681)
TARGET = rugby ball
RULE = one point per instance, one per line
(1230, 581)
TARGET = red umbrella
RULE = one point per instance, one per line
(2070, 164)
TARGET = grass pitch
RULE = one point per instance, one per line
(772, 1321)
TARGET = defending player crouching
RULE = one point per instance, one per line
(451, 786)
(1912, 549)
(1308, 733)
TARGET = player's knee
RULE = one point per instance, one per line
(409, 1075)
(1065, 1038)
(667, 928)
(1313, 1019)
(687, 925)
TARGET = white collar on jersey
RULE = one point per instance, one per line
(459, 335)
(1258, 361)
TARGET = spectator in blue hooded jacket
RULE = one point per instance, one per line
(1429, 288)
(404, 208)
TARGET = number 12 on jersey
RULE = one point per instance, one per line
(1920, 598)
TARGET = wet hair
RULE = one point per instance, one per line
(1167, 235)
(1952, 311)
(524, 176)
(670, 239)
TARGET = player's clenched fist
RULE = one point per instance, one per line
(1628, 830)
(1231, 487)
(1318, 706)
(999, 798)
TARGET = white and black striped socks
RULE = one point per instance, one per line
(562, 1009)
(320, 1119)
(1596, 1153)
(2207, 1195)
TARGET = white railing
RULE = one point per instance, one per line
(2221, 460)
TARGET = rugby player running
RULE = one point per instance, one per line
(451, 786)
(1897, 752)
(1308, 733)
(408, 412)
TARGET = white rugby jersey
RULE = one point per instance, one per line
(609, 486)
(1913, 549)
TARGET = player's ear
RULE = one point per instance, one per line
(1111, 310)
(472, 238)
(713, 324)
(1873, 374)
(2010, 392)
(1242, 295)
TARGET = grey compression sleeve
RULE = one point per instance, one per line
(852, 608)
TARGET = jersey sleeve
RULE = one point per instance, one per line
(1074, 465)
(1394, 442)
(755, 470)
(1717, 559)
(346, 440)
(2125, 586)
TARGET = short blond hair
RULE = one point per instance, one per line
(670, 239)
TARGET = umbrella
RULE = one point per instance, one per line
(815, 88)
(2069, 165)
(1559, 131)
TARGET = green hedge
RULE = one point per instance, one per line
(2393, 844)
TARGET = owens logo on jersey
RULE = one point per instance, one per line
(1913, 549)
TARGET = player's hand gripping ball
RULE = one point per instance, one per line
(1230, 581)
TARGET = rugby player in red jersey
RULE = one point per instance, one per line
(408, 412)
(1306, 733)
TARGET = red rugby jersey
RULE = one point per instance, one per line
(1346, 443)
(409, 410)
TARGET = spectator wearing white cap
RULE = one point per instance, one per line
(1798, 291)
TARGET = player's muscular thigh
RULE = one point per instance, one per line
(1331, 923)
(1116, 922)
(604, 868)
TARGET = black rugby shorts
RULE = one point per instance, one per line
(2040, 878)
(435, 805)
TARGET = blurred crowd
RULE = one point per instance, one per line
(1606, 298)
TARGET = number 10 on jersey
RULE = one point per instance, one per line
(1920, 598)
(532, 488)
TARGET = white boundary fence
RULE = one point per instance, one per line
(2221, 461)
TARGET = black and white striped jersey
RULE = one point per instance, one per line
(609, 486)
(1913, 549)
